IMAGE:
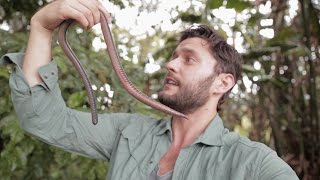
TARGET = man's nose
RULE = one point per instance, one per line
(173, 65)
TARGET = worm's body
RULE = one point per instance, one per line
(113, 54)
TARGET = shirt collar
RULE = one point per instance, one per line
(212, 136)
(165, 126)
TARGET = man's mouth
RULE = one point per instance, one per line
(171, 81)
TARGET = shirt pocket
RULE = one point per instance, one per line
(140, 149)
(126, 162)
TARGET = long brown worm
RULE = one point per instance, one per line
(113, 54)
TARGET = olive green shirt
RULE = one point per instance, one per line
(132, 143)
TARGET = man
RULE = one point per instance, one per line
(201, 73)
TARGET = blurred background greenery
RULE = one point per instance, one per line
(276, 101)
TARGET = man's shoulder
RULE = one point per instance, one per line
(245, 150)
(267, 162)
(232, 139)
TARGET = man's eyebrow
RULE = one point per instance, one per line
(186, 51)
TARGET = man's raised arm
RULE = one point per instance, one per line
(38, 53)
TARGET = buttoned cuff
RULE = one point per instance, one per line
(48, 73)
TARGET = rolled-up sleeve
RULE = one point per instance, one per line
(42, 112)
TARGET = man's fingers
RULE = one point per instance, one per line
(92, 5)
(78, 16)
(85, 11)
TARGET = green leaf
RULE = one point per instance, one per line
(254, 20)
(238, 5)
(76, 99)
(249, 69)
(213, 4)
(4, 73)
(186, 17)
(257, 53)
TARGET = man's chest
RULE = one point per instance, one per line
(135, 159)
(168, 160)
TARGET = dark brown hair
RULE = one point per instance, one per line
(228, 59)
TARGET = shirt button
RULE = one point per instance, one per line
(45, 76)
(151, 162)
(28, 93)
(52, 73)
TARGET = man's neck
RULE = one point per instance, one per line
(185, 132)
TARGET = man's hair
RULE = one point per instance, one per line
(228, 59)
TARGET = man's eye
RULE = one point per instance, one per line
(189, 59)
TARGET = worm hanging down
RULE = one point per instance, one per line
(113, 54)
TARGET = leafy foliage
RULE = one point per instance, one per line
(214, 4)
(280, 101)
(238, 5)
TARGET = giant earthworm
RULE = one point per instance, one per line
(114, 57)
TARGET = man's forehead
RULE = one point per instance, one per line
(190, 43)
(193, 45)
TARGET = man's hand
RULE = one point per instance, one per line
(86, 12)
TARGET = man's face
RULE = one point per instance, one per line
(190, 76)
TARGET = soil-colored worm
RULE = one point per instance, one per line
(114, 57)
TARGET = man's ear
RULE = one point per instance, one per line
(223, 83)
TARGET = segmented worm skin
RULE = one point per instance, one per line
(113, 54)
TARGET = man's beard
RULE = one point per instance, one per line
(190, 96)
